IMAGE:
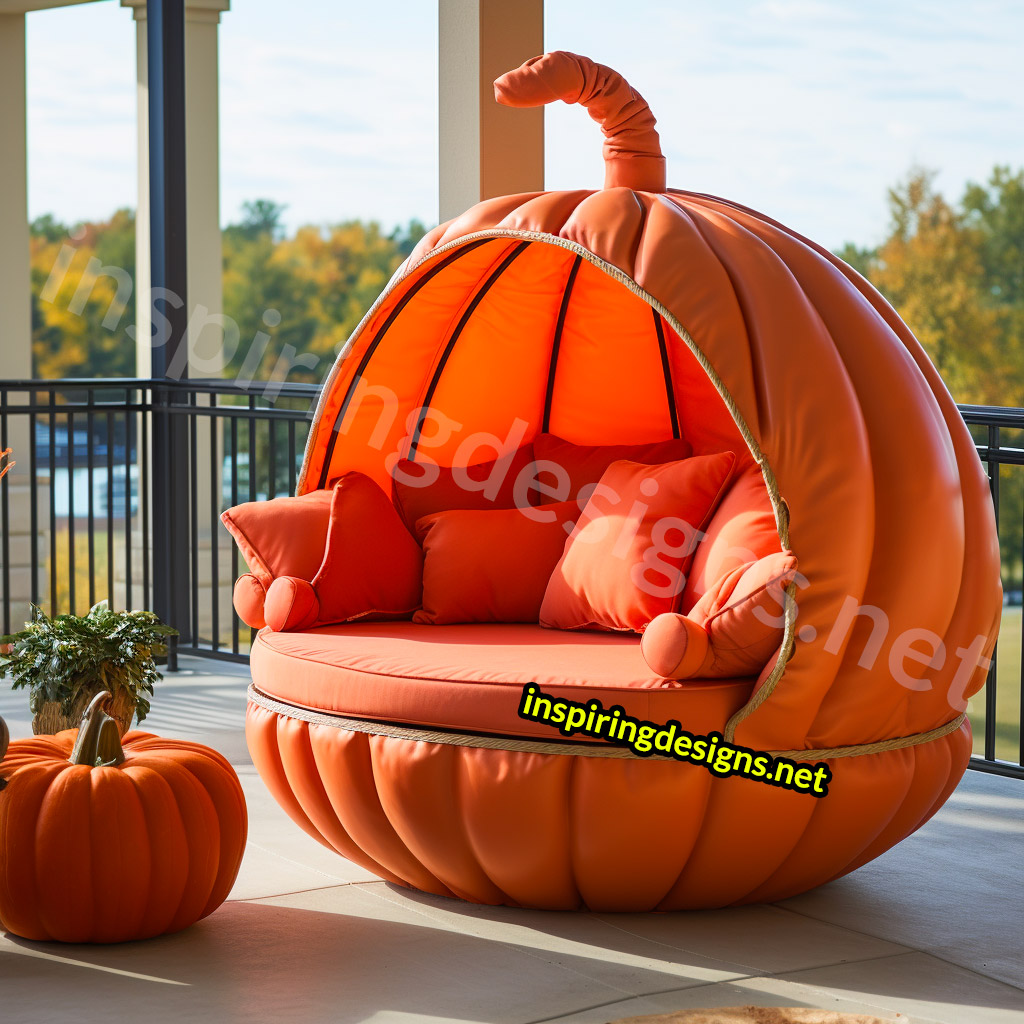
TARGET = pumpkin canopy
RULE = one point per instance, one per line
(639, 313)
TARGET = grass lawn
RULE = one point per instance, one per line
(1007, 693)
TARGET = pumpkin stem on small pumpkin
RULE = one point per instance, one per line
(99, 741)
(5, 739)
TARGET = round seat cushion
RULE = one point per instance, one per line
(470, 677)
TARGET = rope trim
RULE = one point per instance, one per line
(461, 739)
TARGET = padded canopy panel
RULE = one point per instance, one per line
(497, 342)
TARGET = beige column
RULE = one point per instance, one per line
(485, 149)
(16, 313)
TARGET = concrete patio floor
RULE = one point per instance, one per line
(932, 931)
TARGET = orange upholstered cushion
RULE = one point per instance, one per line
(741, 530)
(421, 488)
(492, 565)
(472, 676)
(248, 597)
(627, 558)
(372, 567)
(732, 631)
(563, 469)
(283, 536)
(280, 537)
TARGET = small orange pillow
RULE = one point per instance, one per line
(493, 565)
(584, 464)
(280, 537)
(627, 559)
(732, 631)
(372, 567)
(421, 488)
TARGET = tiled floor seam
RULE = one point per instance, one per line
(689, 989)
(911, 949)
(291, 892)
(904, 951)
(543, 956)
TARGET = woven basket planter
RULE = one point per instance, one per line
(50, 719)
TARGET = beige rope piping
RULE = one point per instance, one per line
(461, 739)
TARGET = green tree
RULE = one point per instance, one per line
(955, 273)
(83, 297)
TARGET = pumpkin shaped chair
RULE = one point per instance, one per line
(640, 313)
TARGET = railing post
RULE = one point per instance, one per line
(169, 473)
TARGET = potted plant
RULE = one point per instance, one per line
(65, 661)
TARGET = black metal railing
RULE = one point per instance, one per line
(79, 526)
(998, 715)
(83, 529)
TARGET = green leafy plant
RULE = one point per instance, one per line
(69, 656)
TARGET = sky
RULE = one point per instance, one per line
(807, 110)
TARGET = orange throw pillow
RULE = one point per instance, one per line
(280, 537)
(372, 567)
(421, 488)
(732, 631)
(584, 464)
(493, 565)
(627, 559)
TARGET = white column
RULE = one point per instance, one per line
(16, 312)
(485, 149)
(15, 286)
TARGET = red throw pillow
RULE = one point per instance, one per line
(732, 631)
(422, 488)
(372, 567)
(584, 464)
(280, 537)
(493, 565)
(627, 559)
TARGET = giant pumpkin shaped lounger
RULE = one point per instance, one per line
(631, 314)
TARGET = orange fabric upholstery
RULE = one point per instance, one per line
(283, 536)
(559, 462)
(248, 597)
(733, 630)
(626, 560)
(280, 537)
(422, 487)
(742, 529)
(372, 567)
(291, 604)
(491, 565)
(471, 676)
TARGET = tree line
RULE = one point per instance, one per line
(954, 271)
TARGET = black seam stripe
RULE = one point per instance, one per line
(463, 320)
(378, 338)
(667, 370)
(556, 343)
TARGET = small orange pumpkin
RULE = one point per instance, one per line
(104, 843)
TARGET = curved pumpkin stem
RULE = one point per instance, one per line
(99, 740)
(632, 149)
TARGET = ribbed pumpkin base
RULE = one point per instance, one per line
(564, 832)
